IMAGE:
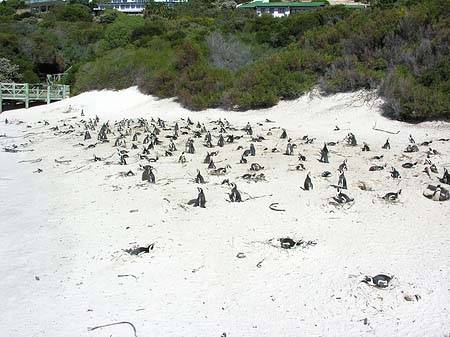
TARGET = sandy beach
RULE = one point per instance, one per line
(67, 220)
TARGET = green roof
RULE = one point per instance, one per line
(255, 4)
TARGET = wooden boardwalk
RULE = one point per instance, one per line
(27, 93)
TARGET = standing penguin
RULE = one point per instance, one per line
(324, 154)
(148, 175)
(387, 145)
(235, 195)
(343, 166)
(342, 182)
(87, 135)
(289, 149)
(199, 179)
(221, 141)
(172, 146)
(308, 185)
(252, 150)
(207, 159)
(211, 165)
(284, 134)
(201, 200)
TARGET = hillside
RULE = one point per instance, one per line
(208, 57)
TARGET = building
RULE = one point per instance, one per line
(280, 9)
(131, 6)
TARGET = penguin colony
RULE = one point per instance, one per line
(145, 141)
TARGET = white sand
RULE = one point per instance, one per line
(69, 228)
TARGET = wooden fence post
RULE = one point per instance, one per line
(27, 96)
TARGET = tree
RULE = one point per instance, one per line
(9, 72)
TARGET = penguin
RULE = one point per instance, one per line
(324, 154)
(172, 146)
(199, 179)
(211, 165)
(445, 178)
(208, 137)
(342, 181)
(235, 195)
(351, 139)
(392, 196)
(301, 157)
(287, 243)
(343, 166)
(252, 150)
(395, 174)
(289, 149)
(326, 174)
(412, 148)
(256, 167)
(221, 141)
(387, 145)
(135, 137)
(230, 139)
(248, 129)
(342, 198)
(376, 168)
(379, 281)
(207, 159)
(87, 135)
(427, 171)
(182, 158)
(201, 200)
(283, 134)
(243, 160)
(308, 185)
(148, 175)
(300, 167)
(365, 147)
(409, 165)
(411, 139)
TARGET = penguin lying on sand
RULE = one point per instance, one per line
(379, 281)
(200, 201)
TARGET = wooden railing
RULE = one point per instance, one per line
(32, 92)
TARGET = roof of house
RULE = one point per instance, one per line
(255, 4)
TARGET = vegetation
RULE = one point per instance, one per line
(208, 54)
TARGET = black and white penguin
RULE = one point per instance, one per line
(395, 174)
(387, 145)
(392, 196)
(207, 159)
(411, 139)
(324, 154)
(182, 158)
(409, 165)
(252, 150)
(201, 200)
(256, 167)
(172, 146)
(289, 149)
(342, 181)
(283, 134)
(351, 139)
(243, 160)
(235, 195)
(211, 165)
(343, 166)
(342, 198)
(379, 281)
(445, 178)
(199, 178)
(248, 129)
(326, 174)
(287, 243)
(365, 147)
(148, 175)
(87, 135)
(308, 185)
(221, 141)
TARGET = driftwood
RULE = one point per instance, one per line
(273, 206)
(390, 132)
(128, 275)
(63, 161)
(111, 324)
(32, 161)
